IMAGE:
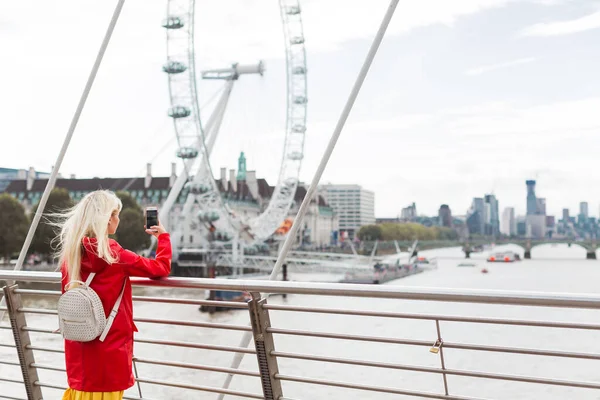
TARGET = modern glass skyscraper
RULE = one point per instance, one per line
(531, 199)
(493, 216)
(584, 209)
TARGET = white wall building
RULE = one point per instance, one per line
(320, 220)
(508, 224)
(354, 206)
(247, 198)
(536, 226)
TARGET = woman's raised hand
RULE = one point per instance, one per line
(156, 230)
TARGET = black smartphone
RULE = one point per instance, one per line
(151, 217)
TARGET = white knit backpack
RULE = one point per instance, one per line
(81, 315)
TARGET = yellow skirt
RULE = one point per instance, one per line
(71, 394)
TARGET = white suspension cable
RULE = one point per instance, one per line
(289, 240)
(67, 141)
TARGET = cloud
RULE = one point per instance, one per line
(582, 24)
(493, 67)
(381, 148)
(257, 29)
(455, 153)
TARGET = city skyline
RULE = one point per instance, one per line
(530, 205)
(477, 94)
(520, 209)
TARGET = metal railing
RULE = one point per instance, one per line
(333, 341)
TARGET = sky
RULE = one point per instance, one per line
(464, 98)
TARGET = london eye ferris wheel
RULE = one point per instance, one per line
(204, 208)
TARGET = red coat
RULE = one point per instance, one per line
(106, 366)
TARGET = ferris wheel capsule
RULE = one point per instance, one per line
(224, 236)
(293, 10)
(196, 188)
(187, 152)
(208, 216)
(174, 67)
(296, 156)
(173, 23)
(298, 128)
(298, 70)
(179, 112)
(300, 100)
(290, 181)
(297, 40)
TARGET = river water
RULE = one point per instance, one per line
(552, 269)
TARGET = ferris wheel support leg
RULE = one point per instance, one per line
(215, 118)
(317, 177)
(66, 142)
(212, 128)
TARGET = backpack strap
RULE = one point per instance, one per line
(113, 313)
(87, 282)
(90, 278)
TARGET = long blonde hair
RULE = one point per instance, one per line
(88, 218)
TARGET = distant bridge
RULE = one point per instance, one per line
(469, 246)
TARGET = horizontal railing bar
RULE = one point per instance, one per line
(369, 388)
(49, 385)
(40, 330)
(196, 366)
(197, 346)
(228, 304)
(37, 311)
(201, 388)
(431, 317)
(428, 343)
(53, 386)
(14, 363)
(416, 368)
(5, 327)
(520, 350)
(2, 379)
(563, 300)
(194, 324)
(164, 343)
(47, 349)
(37, 292)
(163, 321)
(2, 396)
(7, 345)
(48, 367)
(344, 336)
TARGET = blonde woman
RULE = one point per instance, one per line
(102, 370)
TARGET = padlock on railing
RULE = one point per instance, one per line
(436, 346)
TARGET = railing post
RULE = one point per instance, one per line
(26, 359)
(263, 341)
